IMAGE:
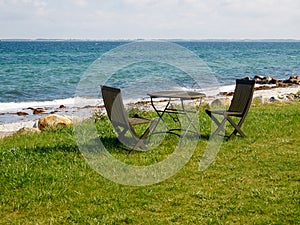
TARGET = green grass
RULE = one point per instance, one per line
(254, 180)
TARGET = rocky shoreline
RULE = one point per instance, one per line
(280, 83)
(267, 89)
(268, 82)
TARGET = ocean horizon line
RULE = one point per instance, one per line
(153, 39)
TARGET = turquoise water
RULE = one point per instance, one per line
(49, 70)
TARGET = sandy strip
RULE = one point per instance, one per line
(277, 93)
(11, 128)
(5, 134)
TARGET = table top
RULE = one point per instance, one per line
(187, 95)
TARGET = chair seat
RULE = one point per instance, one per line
(226, 112)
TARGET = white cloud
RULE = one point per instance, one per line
(150, 18)
(80, 2)
(22, 9)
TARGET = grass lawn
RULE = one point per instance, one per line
(254, 180)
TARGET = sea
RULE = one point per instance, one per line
(43, 72)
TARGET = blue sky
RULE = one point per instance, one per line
(150, 19)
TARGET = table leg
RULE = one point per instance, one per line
(191, 120)
(160, 115)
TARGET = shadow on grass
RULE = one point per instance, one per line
(72, 147)
(113, 145)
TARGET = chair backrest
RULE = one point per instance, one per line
(114, 106)
(242, 96)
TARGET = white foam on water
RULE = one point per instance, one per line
(12, 107)
(72, 107)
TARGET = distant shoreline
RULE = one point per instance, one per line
(141, 39)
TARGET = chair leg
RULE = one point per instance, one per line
(209, 113)
(139, 144)
(220, 125)
(237, 128)
(140, 141)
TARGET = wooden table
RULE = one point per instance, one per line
(191, 115)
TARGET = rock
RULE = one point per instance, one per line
(53, 121)
(290, 96)
(273, 99)
(265, 80)
(220, 103)
(280, 96)
(281, 84)
(225, 93)
(293, 80)
(297, 80)
(264, 87)
(258, 100)
(268, 78)
(22, 113)
(55, 111)
(38, 111)
(274, 81)
(258, 77)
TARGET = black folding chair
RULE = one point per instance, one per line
(122, 123)
(239, 107)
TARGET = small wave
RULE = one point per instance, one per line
(68, 102)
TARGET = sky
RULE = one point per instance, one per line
(150, 19)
